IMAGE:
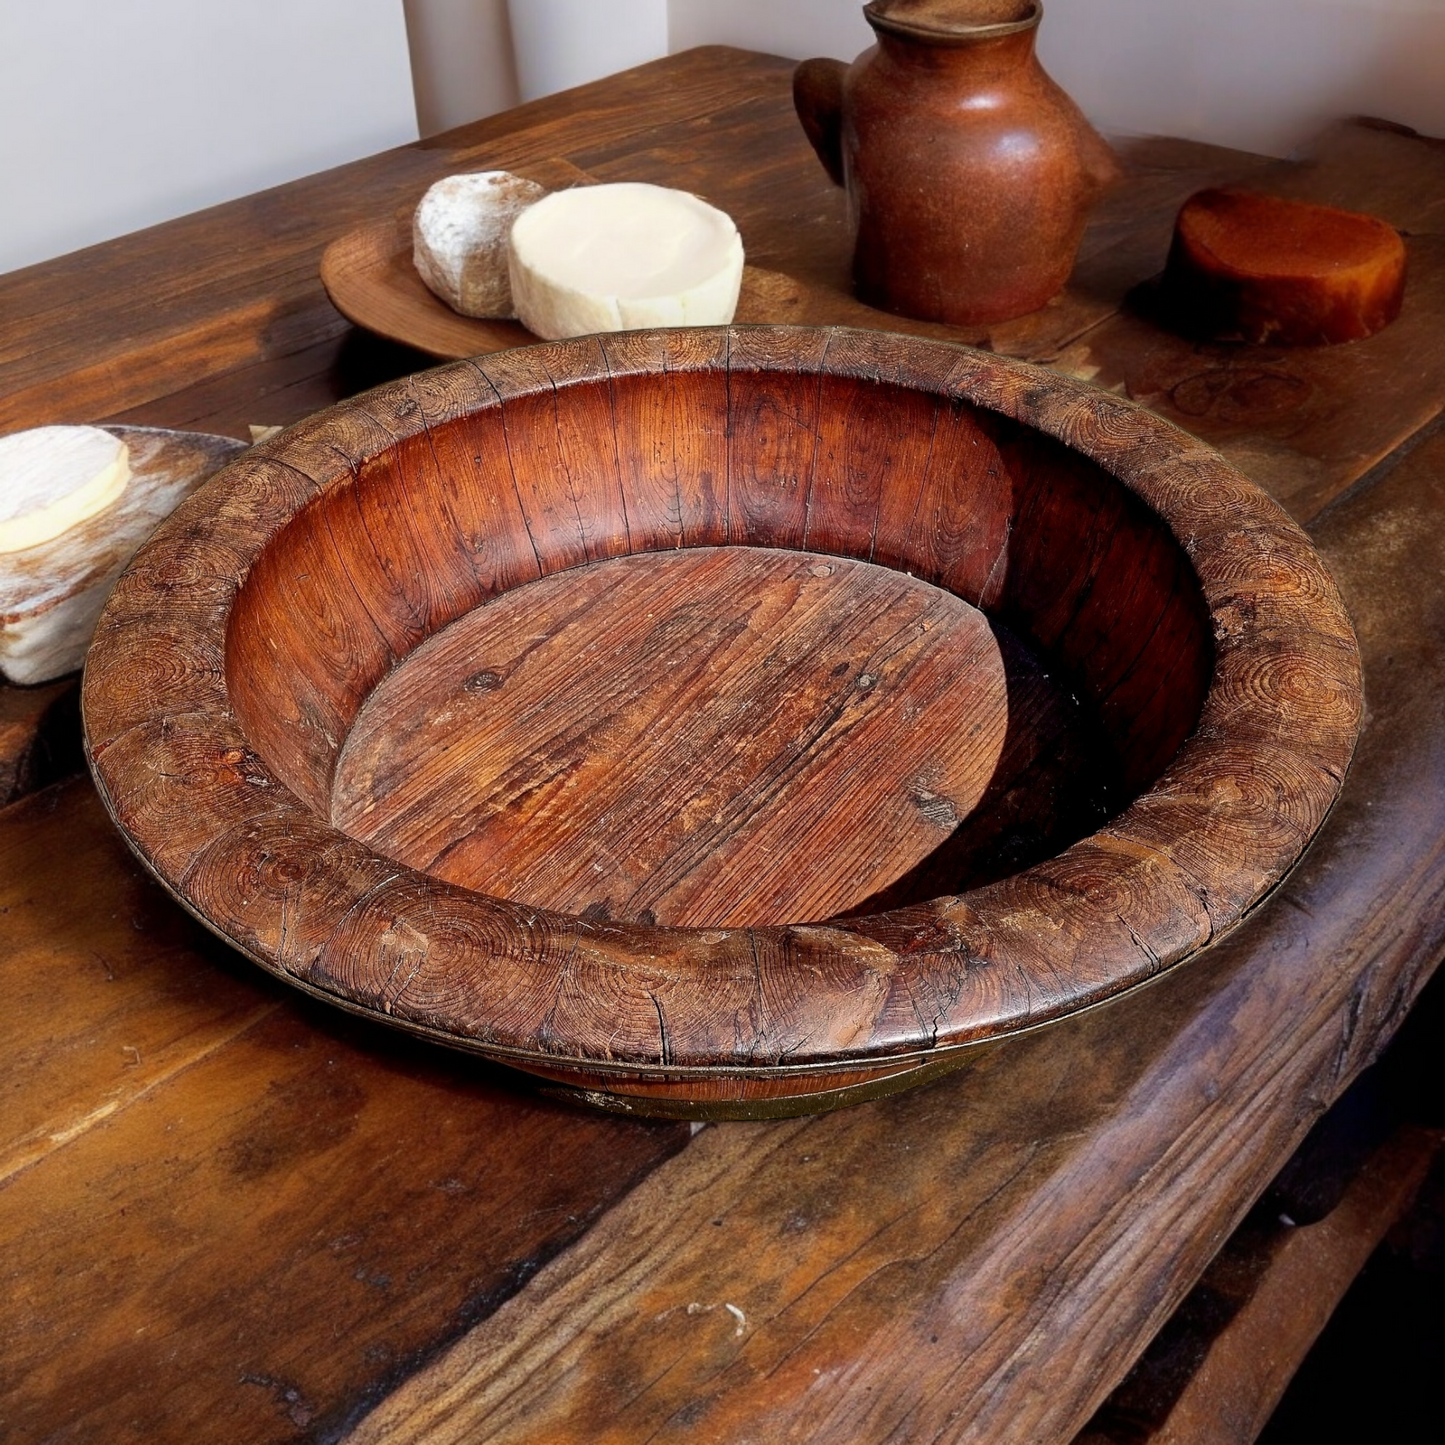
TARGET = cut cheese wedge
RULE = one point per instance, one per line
(53, 478)
(459, 239)
(622, 257)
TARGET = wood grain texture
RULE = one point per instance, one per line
(248, 335)
(661, 738)
(225, 1212)
(1222, 1364)
(1167, 593)
(983, 1259)
(256, 341)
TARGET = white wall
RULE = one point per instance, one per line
(461, 61)
(798, 28)
(1260, 76)
(115, 114)
(562, 43)
(471, 58)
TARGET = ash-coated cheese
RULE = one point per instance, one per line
(459, 239)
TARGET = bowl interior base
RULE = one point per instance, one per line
(720, 737)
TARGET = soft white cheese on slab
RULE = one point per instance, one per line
(52, 478)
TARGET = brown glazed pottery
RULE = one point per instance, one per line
(969, 172)
(724, 721)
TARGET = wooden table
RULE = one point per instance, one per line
(229, 1213)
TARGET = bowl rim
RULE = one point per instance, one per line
(1159, 882)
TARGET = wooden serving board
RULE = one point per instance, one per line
(369, 276)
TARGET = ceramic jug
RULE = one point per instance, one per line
(969, 172)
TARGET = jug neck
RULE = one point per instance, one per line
(944, 37)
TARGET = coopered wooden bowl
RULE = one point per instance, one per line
(724, 722)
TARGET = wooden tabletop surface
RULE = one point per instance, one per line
(230, 1213)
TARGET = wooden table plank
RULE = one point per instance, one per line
(105, 999)
(1292, 418)
(280, 390)
(1357, 164)
(1278, 1287)
(204, 1255)
(228, 1213)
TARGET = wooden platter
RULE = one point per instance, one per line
(369, 276)
(436, 704)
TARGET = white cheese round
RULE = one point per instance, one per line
(459, 239)
(54, 477)
(622, 257)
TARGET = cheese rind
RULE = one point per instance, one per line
(52, 478)
(622, 257)
(459, 239)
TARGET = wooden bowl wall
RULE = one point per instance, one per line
(259, 699)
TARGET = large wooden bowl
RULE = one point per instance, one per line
(724, 721)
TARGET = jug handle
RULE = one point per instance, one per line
(818, 99)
